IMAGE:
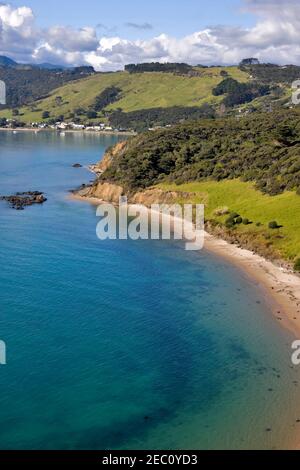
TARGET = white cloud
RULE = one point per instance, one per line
(274, 38)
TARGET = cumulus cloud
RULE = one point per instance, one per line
(17, 31)
(275, 37)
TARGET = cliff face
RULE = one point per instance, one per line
(105, 163)
(110, 192)
(103, 191)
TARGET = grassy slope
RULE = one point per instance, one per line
(257, 207)
(139, 91)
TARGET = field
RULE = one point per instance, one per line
(139, 91)
(258, 208)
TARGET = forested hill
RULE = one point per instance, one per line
(263, 148)
(145, 95)
(25, 84)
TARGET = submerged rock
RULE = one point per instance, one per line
(19, 201)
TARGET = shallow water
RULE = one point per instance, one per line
(123, 344)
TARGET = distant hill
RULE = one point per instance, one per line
(7, 62)
(145, 95)
(27, 83)
(101, 94)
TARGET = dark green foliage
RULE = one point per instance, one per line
(158, 67)
(297, 265)
(217, 149)
(239, 220)
(46, 115)
(80, 111)
(230, 222)
(273, 225)
(249, 61)
(108, 96)
(270, 73)
(239, 93)
(245, 221)
(234, 215)
(146, 118)
(91, 114)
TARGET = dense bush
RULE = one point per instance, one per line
(217, 149)
(107, 97)
(273, 225)
(159, 67)
(239, 93)
(297, 265)
(147, 118)
(271, 73)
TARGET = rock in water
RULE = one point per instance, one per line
(19, 201)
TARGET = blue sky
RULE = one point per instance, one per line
(109, 34)
(176, 18)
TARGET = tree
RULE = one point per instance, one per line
(91, 114)
(249, 61)
(273, 225)
(46, 115)
(297, 265)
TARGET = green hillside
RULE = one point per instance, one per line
(137, 91)
(249, 166)
(260, 209)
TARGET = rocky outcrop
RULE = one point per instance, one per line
(103, 191)
(19, 201)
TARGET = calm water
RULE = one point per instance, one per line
(126, 344)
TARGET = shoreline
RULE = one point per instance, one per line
(67, 131)
(280, 285)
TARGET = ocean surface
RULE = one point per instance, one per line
(124, 344)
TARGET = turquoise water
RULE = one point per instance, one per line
(126, 344)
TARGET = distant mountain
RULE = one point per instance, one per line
(7, 62)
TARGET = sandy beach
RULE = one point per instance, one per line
(280, 285)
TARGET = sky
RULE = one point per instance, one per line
(109, 34)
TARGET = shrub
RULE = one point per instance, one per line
(91, 114)
(273, 225)
(234, 215)
(297, 265)
(246, 221)
(230, 223)
(298, 191)
(46, 115)
(239, 220)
